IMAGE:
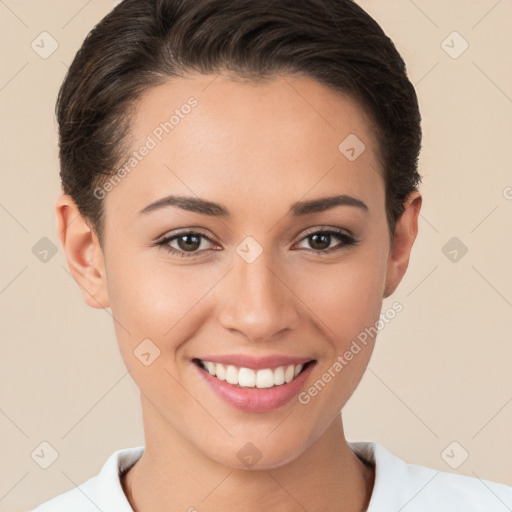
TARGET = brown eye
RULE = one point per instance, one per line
(186, 242)
(320, 241)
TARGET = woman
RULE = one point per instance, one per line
(240, 187)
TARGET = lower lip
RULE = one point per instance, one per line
(256, 399)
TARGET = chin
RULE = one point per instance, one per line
(257, 454)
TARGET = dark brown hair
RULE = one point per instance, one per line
(143, 43)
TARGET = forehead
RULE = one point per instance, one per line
(210, 133)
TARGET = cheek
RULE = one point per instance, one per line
(347, 297)
(152, 298)
(156, 307)
(346, 301)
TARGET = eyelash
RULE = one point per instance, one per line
(345, 239)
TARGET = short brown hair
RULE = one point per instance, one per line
(143, 43)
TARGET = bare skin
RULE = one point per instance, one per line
(257, 150)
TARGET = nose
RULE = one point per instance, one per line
(259, 304)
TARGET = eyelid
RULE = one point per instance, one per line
(183, 231)
(322, 229)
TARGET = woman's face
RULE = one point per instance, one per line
(253, 286)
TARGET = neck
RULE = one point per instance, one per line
(173, 475)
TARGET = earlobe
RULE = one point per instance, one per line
(404, 236)
(83, 252)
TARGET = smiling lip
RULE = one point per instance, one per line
(256, 399)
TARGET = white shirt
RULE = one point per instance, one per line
(399, 487)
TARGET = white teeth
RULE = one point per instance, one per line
(289, 373)
(231, 375)
(279, 376)
(220, 371)
(249, 378)
(246, 377)
(264, 378)
(210, 366)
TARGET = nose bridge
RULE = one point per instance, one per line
(260, 305)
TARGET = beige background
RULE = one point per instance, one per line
(441, 369)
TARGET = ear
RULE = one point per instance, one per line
(406, 230)
(83, 252)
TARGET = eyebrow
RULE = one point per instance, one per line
(299, 208)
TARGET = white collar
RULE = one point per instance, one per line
(398, 486)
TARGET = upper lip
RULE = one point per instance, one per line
(256, 363)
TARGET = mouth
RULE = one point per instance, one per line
(260, 378)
